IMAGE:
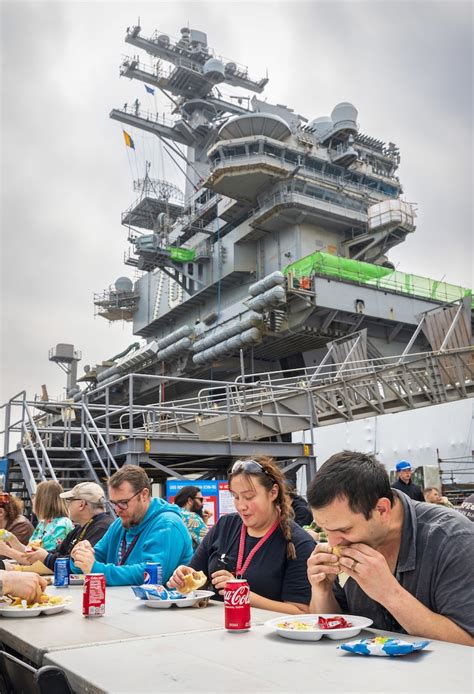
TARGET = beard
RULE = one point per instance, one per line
(135, 520)
(197, 508)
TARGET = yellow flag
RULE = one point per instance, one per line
(128, 140)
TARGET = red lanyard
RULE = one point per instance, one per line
(124, 550)
(243, 532)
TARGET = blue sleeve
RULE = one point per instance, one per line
(168, 545)
(100, 549)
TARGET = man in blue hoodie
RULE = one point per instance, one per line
(146, 530)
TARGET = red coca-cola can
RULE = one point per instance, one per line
(93, 597)
(237, 605)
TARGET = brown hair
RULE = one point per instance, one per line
(270, 475)
(431, 489)
(13, 508)
(134, 475)
(48, 504)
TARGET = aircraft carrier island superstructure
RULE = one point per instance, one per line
(282, 216)
(269, 271)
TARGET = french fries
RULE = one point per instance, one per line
(44, 601)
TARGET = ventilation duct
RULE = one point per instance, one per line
(184, 331)
(227, 347)
(272, 297)
(173, 350)
(248, 320)
(272, 280)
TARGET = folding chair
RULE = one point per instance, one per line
(17, 677)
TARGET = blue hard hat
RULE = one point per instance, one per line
(403, 465)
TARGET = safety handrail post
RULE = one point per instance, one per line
(6, 440)
(46, 463)
(107, 414)
(101, 439)
(130, 405)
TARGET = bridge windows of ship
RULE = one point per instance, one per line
(311, 164)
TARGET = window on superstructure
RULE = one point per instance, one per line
(272, 151)
(291, 157)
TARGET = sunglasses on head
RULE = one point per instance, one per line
(251, 467)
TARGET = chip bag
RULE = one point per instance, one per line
(148, 591)
(382, 645)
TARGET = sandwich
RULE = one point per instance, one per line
(193, 581)
(342, 576)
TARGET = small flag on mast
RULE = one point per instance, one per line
(128, 140)
(150, 90)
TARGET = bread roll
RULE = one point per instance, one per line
(193, 581)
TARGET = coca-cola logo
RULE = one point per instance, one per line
(237, 598)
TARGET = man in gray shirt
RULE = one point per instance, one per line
(409, 563)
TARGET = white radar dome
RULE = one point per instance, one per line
(214, 70)
(344, 112)
(124, 284)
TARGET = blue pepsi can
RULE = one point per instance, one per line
(61, 572)
(153, 573)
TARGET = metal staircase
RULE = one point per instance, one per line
(51, 446)
(89, 439)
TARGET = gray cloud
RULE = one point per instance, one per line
(406, 66)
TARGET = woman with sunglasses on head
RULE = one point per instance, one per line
(260, 542)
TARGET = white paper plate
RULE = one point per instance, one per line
(18, 613)
(53, 609)
(191, 600)
(358, 623)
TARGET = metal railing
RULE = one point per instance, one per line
(276, 401)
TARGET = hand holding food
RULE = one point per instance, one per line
(83, 556)
(185, 579)
(369, 568)
(193, 581)
(323, 567)
(39, 554)
(26, 586)
(343, 575)
(177, 579)
(33, 546)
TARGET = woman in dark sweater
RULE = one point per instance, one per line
(259, 543)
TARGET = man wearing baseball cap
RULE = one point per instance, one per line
(86, 505)
(404, 483)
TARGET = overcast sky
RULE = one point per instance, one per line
(67, 176)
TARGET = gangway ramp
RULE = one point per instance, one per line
(272, 406)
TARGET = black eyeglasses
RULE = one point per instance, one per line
(123, 503)
(199, 498)
(249, 466)
(71, 498)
